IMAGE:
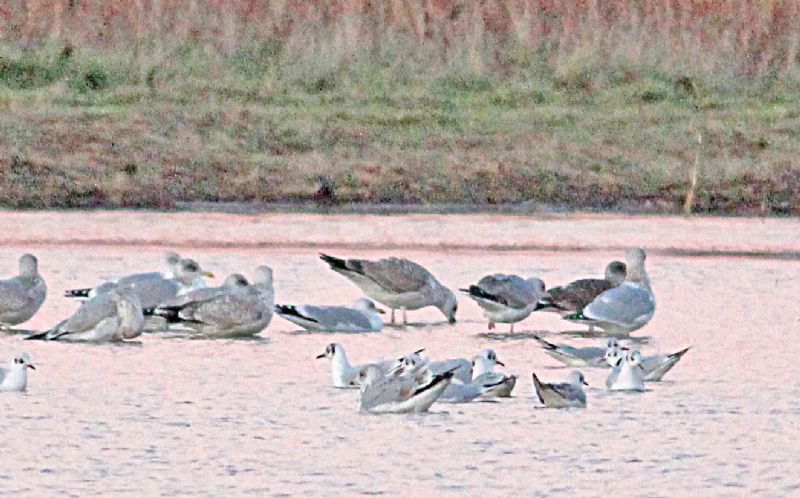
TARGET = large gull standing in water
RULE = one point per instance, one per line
(397, 283)
(506, 298)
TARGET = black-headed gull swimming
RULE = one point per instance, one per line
(397, 283)
(628, 375)
(569, 394)
(23, 295)
(506, 298)
(362, 317)
(653, 366)
(343, 374)
(15, 378)
(625, 308)
(414, 393)
(483, 373)
(577, 357)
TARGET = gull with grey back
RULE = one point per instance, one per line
(23, 295)
(363, 316)
(397, 283)
(625, 308)
(506, 298)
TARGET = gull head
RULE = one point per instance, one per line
(616, 271)
(634, 358)
(364, 304)
(263, 276)
(576, 378)
(189, 270)
(369, 375)
(613, 356)
(172, 260)
(331, 350)
(537, 284)
(28, 265)
(635, 269)
(612, 342)
(408, 364)
(22, 361)
(449, 305)
(235, 280)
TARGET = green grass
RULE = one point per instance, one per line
(87, 129)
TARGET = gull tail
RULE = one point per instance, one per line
(537, 384)
(546, 345)
(335, 263)
(287, 310)
(545, 303)
(677, 355)
(447, 375)
(37, 337)
(172, 314)
(78, 293)
(477, 292)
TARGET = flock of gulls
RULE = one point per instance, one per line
(178, 299)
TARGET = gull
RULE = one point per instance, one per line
(483, 373)
(15, 378)
(362, 317)
(397, 283)
(232, 281)
(175, 267)
(506, 298)
(564, 395)
(577, 357)
(126, 322)
(654, 366)
(629, 376)
(22, 296)
(573, 297)
(625, 308)
(232, 312)
(399, 394)
(461, 368)
(344, 374)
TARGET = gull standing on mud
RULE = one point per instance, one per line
(397, 283)
(125, 323)
(234, 311)
(569, 394)
(626, 308)
(575, 296)
(362, 317)
(399, 394)
(506, 298)
(15, 378)
(22, 296)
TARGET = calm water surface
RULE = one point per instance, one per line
(219, 418)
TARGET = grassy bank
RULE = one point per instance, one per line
(351, 111)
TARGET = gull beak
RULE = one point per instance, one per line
(380, 311)
(498, 362)
(321, 356)
(585, 383)
(419, 351)
(31, 367)
(208, 274)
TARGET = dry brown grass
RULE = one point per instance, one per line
(586, 104)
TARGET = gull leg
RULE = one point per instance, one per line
(405, 319)
(392, 316)
(491, 325)
(512, 328)
(591, 329)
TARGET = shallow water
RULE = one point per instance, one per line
(195, 417)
